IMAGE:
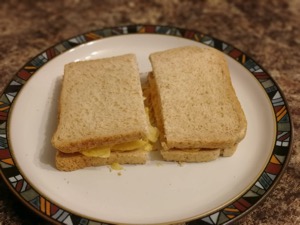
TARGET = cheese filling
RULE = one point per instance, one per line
(146, 145)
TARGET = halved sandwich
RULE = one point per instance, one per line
(197, 111)
(102, 118)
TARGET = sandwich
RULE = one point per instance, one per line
(101, 117)
(197, 112)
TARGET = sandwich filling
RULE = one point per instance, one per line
(145, 145)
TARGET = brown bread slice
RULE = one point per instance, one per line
(196, 155)
(101, 104)
(194, 101)
(75, 161)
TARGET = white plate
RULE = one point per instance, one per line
(158, 192)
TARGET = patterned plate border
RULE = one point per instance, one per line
(232, 211)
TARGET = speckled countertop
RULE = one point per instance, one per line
(267, 30)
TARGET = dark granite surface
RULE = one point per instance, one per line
(267, 30)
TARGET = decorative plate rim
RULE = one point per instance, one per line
(233, 210)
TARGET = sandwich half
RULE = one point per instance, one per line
(197, 112)
(101, 117)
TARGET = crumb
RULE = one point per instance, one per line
(180, 164)
(119, 173)
(159, 164)
(116, 166)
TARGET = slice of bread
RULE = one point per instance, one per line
(101, 104)
(75, 161)
(196, 155)
(194, 101)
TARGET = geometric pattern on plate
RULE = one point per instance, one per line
(232, 211)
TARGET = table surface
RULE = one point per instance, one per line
(268, 31)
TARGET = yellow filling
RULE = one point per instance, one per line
(103, 152)
(116, 166)
(146, 145)
(129, 146)
(153, 131)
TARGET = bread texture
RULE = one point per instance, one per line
(196, 155)
(101, 104)
(76, 161)
(195, 104)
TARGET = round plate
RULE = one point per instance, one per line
(159, 192)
